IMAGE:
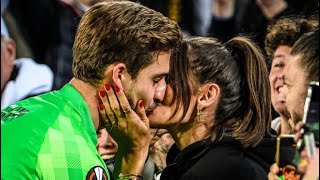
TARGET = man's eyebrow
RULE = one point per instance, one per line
(279, 55)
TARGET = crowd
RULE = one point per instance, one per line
(168, 89)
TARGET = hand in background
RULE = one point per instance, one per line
(312, 169)
(273, 174)
(160, 149)
(271, 8)
(223, 8)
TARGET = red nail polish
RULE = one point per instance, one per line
(102, 93)
(107, 87)
(141, 103)
(116, 88)
(101, 107)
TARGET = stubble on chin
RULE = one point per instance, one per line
(286, 113)
(148, 110)
(296, 118)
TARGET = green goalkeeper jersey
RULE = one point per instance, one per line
(50, 136)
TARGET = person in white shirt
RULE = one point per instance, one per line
(23, 77)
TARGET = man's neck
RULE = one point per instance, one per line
(89, 94)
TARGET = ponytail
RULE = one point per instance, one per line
(255, 110)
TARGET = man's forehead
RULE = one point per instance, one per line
(292, 66)
(286, 71)
(162, 57)
(277, 58)
(159, 67)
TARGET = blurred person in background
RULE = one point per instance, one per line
(22, 48)
(49, 28)
(281, 35)
(20, 78)
(302, 68)
(251, 17)
(107, 148)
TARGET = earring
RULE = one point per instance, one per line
(199, 119)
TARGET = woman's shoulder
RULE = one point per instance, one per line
(226, 162)
(225, 155)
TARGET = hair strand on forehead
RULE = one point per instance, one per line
(256, 108)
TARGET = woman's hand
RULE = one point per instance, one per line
(129, 128)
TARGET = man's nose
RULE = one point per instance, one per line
(160, 91)
(108, 143)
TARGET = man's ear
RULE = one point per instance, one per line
(209, 95)
(119, 74)
(10, 48)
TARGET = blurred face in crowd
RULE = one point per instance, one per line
(8, 53)
(107, 148)
(289, 175)
(296, 83)
(278, 92)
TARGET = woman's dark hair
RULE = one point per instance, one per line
(239, 69)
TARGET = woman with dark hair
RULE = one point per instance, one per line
(217, 109)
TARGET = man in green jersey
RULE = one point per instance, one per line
(120, 46)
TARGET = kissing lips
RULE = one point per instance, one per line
(150, 109)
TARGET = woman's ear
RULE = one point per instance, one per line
(208, 96)
(119, 74)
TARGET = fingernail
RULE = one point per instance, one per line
(101, 107)
(102, 93)
(141, 103)
(107, 87)
(116, 88)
